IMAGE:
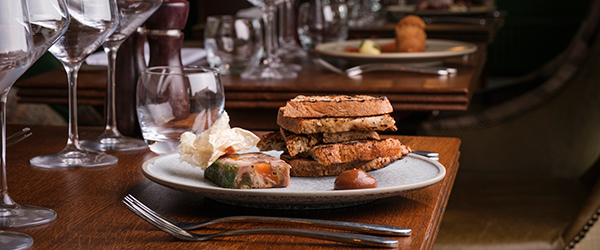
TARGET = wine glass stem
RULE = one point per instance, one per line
(268, 20)
(6, 200)
(287, 22)
(111, 129)
(73, 140)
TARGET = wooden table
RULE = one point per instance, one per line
(248, 99)
(92, 216)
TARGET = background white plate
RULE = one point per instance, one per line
(410, 173)
(437, 50)
(412, 10)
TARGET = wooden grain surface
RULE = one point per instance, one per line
(92, 216)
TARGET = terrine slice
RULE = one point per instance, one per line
(249, 170)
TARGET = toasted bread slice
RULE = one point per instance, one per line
(365, 150)
(335, 125)
(298, 144)
(271, 141)
(336, 106)
(307, 167)
(350, 136)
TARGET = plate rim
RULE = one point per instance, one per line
(386, 191)
(321, 48)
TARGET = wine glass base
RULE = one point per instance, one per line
(25, 216)
(291, 51)
(115, 144)
(266, 72)
(15, 241)
(293, 67)
(70, 159)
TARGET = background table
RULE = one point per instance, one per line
(406, 91)
(248, 99)
(92, 216)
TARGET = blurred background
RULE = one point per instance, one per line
(534, 32)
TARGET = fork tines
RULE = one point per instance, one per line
(158, 222)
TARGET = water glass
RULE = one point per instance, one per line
(233, 43)
(173, 100)
(321, 21)
(366, 13)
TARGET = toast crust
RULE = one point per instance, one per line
(337, 106)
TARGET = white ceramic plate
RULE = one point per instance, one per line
(410, 173)
(437, 50)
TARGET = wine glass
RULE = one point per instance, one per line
(49, 20)
(287, 29)
(268, 69)
(132, 14)
(277, 40)
(366, 13)
(321, 21)
(20, 46)
(91, 23)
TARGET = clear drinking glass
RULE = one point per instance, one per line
(91, 23)
(23, 39)
(173, 100)
(233, 44)
(366, 13)
(321, 21)
(269, 68)
(132, 14)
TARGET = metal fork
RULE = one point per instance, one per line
(353, 226)
(431, 155)
(357, 70)
(18, 136)
(182, 234)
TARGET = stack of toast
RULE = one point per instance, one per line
(327, 135)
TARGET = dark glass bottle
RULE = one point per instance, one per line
(129, 64)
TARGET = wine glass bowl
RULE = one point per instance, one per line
(49, 20)
(24, 37)
(16, 45)
(322, 21)
(132, 14)
(233, 43)
(91, 22)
